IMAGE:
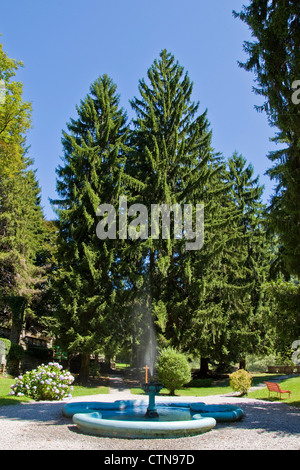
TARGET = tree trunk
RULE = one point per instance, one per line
(204, 366)
(242, 364)
(84, 369)
(17, 306)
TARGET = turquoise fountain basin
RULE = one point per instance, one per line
(127, 418)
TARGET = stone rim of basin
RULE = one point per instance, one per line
(88, 418)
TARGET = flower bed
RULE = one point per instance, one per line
(47, 382)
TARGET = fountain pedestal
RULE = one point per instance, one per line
(152, 389)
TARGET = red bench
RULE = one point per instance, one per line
(274, 387)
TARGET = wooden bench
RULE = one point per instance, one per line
(274, 387)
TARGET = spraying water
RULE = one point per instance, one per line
(151, 348)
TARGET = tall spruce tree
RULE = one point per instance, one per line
(274, 58)
(172, 157)
(91, 175)
(229, 273)
(250, 308)
(205, 319)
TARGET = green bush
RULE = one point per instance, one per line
(173, 369)
(240, 381)
(48, 382)
(7, 344)
(16, 352)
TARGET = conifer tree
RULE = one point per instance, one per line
(91, 175)
(249, 332)
(274, 58)
(204, 320)
(229, 309)
(172, 157)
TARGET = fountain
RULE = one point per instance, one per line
(152, 389)
(139, 419)
(152, 419)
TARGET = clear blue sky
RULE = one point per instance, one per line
(66, 44)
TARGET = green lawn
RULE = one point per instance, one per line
(292, 384)
(217, 388)
(223, 387)
(204, 391)
(80, 391)
(6, 399)
(122, 365)
(189, 391)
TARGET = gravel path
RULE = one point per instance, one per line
(41, 426)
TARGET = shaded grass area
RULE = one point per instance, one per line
(6, 399)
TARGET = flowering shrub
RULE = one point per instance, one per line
(48, 382)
